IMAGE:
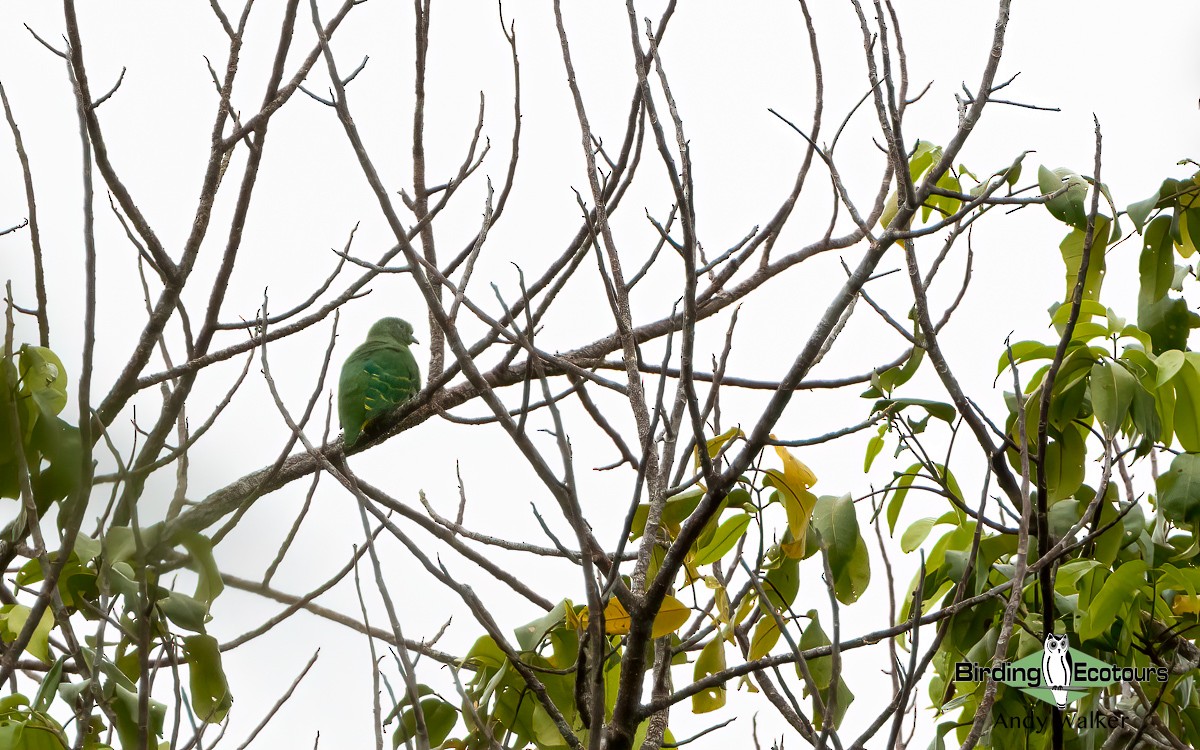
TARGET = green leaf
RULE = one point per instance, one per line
(874, 446)
(1186, 579)
(924, 156)
(1013, 173)
(916, 533)
(124, 703)
(821, 669)
(1169, 363)
(890, 209)
(944, 205)
(856, 575)
(1023, 351)
(1117, 324)
(43, 377)
(903, 482)
(1089, 331)
(766, 635)
(1065, 464)
(12, 437)
(119, 545)
(185, 611)
(896, 376)
(13, 703)
(45, 693)
(120, 580)
(60, 444)
(675, 511)
(1061, 312)
(530, 635)
(1179, 489)
(1187, 407)
(485, 655)
(835, 520)
(843, 701)
(710, 661)
(39, 732)
(1181, 274)
(782, 583)
(1168, 322)
(1140, 211)
(12, 621)
(1117, 593)
(71, 691)
(939, 409)
(1068, 573)
(513, 711)
(1112, 389)
(726, 536)
(1068, 207)
(1072, 255)
(1145, 417)
(440, 718)
(1156, 264)
(211, 698)
(1108, 544)
(209, 586)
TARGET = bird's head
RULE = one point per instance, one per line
(393, 329)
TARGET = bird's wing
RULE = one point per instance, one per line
(393, 378)
(352, 389)
(375, 379)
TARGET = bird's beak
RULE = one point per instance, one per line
(415, 341)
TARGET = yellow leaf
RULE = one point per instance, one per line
(671, 617)
(794, 550)
(714, 445)
(616, 619)
(1186, 604)
(575, 619)
(744, 608)
(793, 484)
(766, 635)
(1187, 247)
(657, 555)
(721, 596)
(710, 661)
(799, 509)
(794, 470)
(12, 620)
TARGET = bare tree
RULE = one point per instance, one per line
(713, 531)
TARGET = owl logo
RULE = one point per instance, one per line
(1057, 667)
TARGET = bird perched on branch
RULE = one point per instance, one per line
(378, 376)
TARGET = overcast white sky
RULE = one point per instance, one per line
(1135, 66)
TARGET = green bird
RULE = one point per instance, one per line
(378, 376)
